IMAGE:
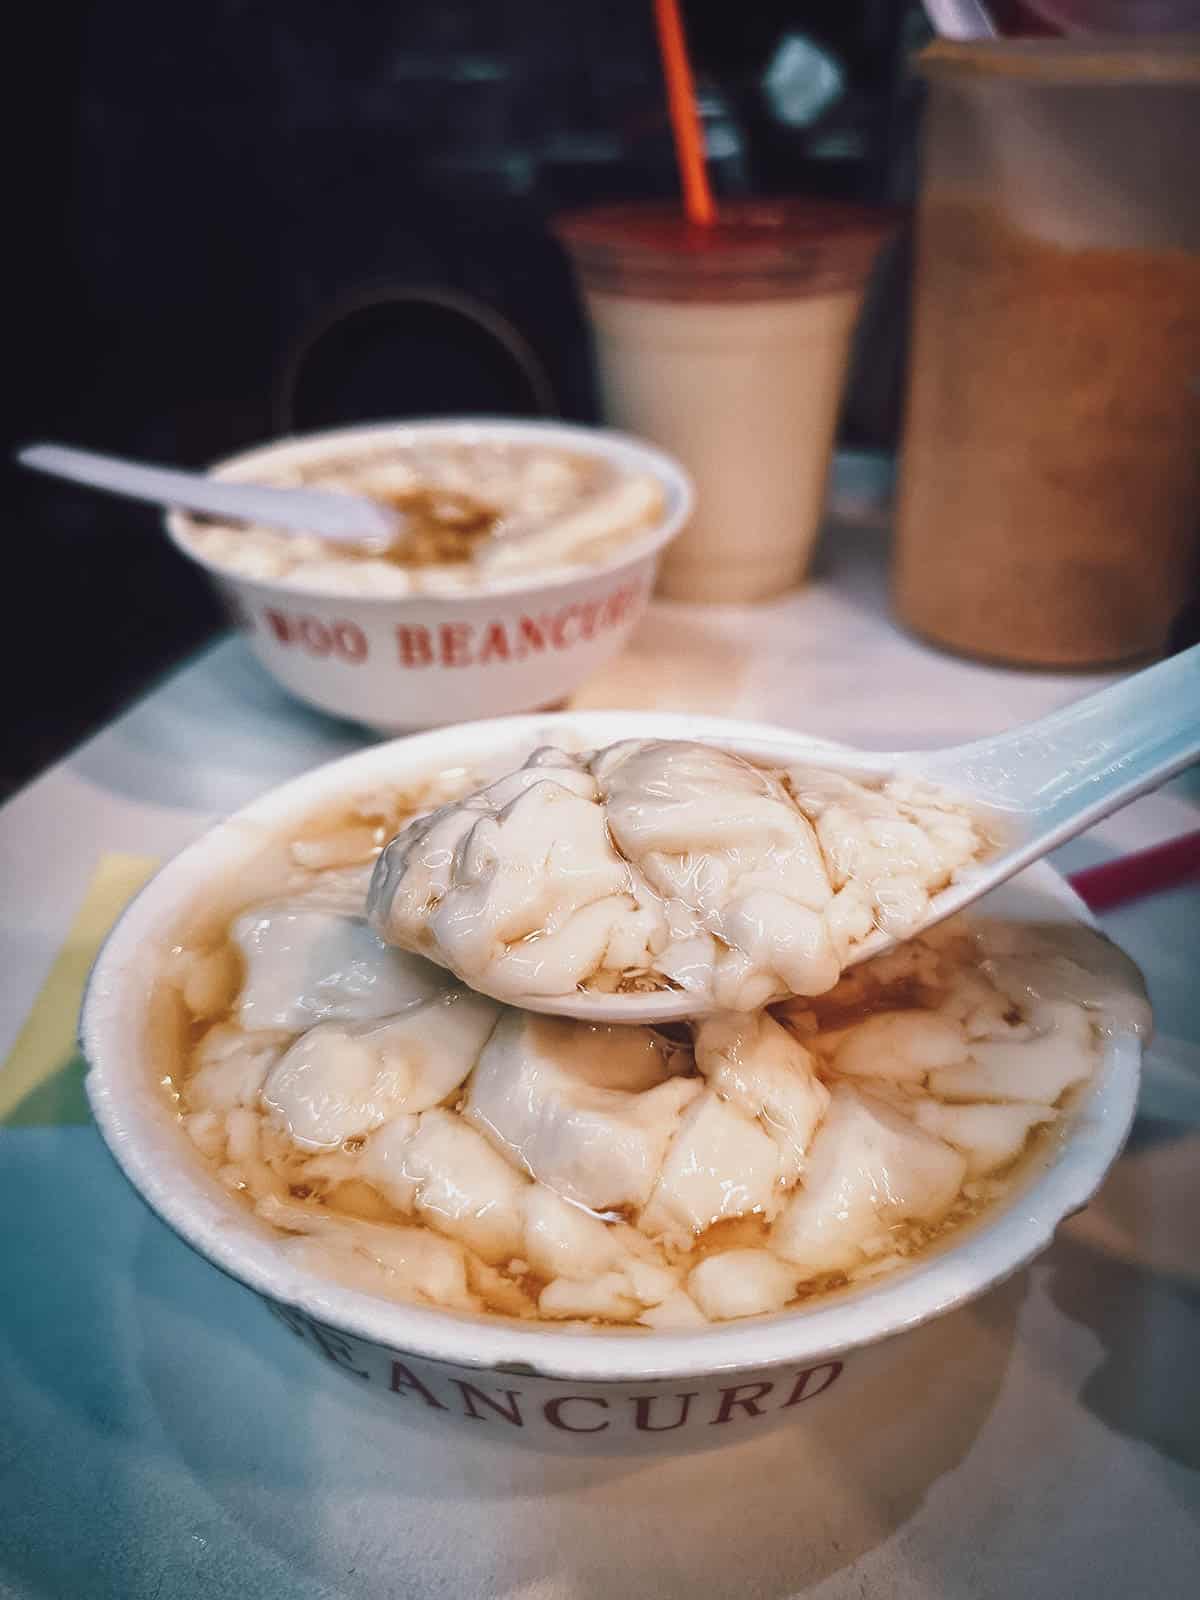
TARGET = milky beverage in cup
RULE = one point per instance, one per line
(727, 344)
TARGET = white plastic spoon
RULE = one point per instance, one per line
(346, 518)
(1041, 783)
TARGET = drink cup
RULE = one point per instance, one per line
(727, 344)
(1049, 499)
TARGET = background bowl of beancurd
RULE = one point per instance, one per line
(517, 642)
(618, 1391)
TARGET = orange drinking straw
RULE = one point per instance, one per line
(685, 119)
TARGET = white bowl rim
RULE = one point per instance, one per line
(610, 443)
(133, 1125)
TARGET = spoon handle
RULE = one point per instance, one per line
(327, 515)
(1081, 763)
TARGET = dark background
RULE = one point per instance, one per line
(238, 209)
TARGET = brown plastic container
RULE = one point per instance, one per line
(1049, 499)
(727, 345)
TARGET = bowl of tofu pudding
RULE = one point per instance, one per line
(322, 1045)
(525, 554)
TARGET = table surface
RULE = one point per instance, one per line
(1054, 1447)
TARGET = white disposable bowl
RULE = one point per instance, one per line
(553, 1389)
(421, 661)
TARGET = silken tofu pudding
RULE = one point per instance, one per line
(425, 1142)
(475, 512)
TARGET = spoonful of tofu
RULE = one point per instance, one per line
(656, 880)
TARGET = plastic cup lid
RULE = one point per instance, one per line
(756, 250)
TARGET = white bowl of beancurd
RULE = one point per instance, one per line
(531, 554)
(386, 1157)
